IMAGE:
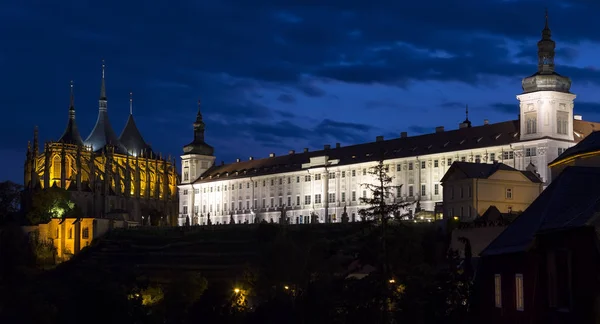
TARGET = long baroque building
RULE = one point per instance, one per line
(320, 185)
(105, 174)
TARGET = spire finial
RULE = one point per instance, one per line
(72, 103)
(199, 115)
(131, 103)
(546, 48)
(547, 18)
(467, 112)
(102, 83)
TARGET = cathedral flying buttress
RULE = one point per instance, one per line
(106, 175)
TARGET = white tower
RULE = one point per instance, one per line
(546, 104)
(198, 156)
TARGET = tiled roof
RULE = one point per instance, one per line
(568, 202)
(503, 133)
(485, 170)
(590, 143)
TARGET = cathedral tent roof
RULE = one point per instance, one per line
(103, 135)
(491, 135)
(132, 139)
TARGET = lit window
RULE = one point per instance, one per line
(531, 123)
(519, 292)
(498, 290)
(562, 122)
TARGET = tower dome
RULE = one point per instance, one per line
(546, 79)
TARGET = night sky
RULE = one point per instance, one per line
(275, 77)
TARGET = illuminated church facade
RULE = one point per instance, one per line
(319, 186)
(105, 174)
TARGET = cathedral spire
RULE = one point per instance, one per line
(71, 134)
(72, 103)
(546, 48)
(131, 103)
(103, 84)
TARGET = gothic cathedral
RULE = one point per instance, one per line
(106, 176)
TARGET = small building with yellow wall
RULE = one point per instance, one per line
(471, 188)
(70, 235)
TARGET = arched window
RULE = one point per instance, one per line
(67, 168)
(56, 167)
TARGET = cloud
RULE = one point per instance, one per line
(286, 98)
(453, 104)
(387, 103)
(509, 108)
(420, 129)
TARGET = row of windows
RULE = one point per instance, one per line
(436, 191)
(562, 123)
(307, 201)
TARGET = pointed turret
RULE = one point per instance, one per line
(103, 133)
(71, 134)
(131, 136)
(198, 146)
(467, 122)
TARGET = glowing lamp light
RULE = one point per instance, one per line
(286, 287)
(455, 218)
(237, 290)
(392, 281)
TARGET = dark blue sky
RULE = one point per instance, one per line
(281, 75)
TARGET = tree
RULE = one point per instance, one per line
(10, 199)
(51, 203)
(381, 208)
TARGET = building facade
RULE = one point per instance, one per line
(471, 188)
(104, 174)
(318, 185)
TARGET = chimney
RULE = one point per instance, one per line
(486, 122)
(326, 146)
(403, 135)
(292, 152)
(306, 150)
(439, 129)
(237, 160)
(578, 117)
(379, 139)
(271, 154)
(251, 158)
(337, 145)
